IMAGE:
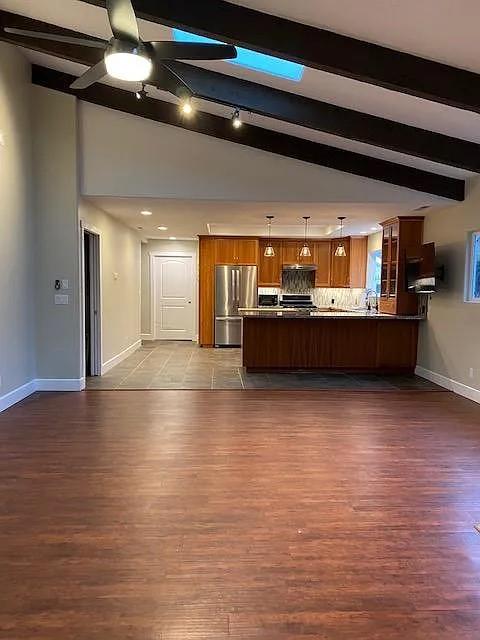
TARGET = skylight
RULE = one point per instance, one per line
(251, 59)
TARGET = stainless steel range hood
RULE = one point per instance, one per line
(299, 267)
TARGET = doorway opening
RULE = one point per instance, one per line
(91, 288)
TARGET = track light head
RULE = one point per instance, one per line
(236, 120)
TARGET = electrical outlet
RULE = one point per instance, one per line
(471, 372)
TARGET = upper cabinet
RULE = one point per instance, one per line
(290, 251)
(400, 235)
(247, 251)
(236, 251)
(340, 266)
(270, 268)
(321, 257)
(358, 262)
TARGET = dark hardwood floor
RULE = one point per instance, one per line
(187, 515)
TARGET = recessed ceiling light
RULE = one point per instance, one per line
(172, 238)
(364, 233)
(375, 228)
(146, 213)
(162, 228)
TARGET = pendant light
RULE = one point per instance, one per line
(305, 250)
(269, 250)
(340, 250)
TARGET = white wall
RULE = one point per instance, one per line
(17, 274)
(169, 162)
(57, 237)
(450, 340)
(189, 247)
(120, 281)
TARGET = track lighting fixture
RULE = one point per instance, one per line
(236, 120)
(140, 95)
(305, 250)
(186, 107)
(269, 250)
(340, 251)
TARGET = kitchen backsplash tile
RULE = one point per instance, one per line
(344, 298)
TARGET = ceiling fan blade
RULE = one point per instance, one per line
(164, 77)
(94, 74)
(96, 44)
(192, 51)
(123, 20)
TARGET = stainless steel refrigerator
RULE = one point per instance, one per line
(235, 288)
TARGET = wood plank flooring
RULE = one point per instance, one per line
(187, 515)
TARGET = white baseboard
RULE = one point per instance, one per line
(452, 385)
(147, 336)
(109, 364)
(60, 384)
(40, 384)
(20, 393)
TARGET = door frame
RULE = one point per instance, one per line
(153, 302)
(96, 353)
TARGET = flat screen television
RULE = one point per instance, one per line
(421, 276)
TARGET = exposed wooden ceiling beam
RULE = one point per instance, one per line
(277, 104)
(317, 48)
(256, 137)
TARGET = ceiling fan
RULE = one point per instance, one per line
(128, 58)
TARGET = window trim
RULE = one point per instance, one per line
(473, 238)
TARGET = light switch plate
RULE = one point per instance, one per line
(61, 299)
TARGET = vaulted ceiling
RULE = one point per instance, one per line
(392, 94)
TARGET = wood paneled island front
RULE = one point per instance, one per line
(344, 341)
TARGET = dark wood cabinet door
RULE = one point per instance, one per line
(247, 251)
(340, 266)
(270, 269)
(225, 250)
(322, 258)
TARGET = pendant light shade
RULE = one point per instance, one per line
(305, 250)
(269, 250)
(340, 251)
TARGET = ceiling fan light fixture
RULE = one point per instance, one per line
(130, 66)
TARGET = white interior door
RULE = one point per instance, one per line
(174, 309)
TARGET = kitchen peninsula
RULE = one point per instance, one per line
(333, 340)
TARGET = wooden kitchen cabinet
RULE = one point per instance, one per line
(358, 262)
(340, 267)
(400, 235)
(225, 250)
(236, 251)
(270, 269)
(290, 251)
(207, 256)
(322, 258)
(247, 251)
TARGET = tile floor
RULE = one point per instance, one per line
(183, 365)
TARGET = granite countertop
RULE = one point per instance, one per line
(335, 313)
